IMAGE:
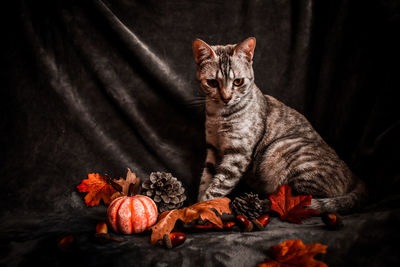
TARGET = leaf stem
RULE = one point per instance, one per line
(112, 183)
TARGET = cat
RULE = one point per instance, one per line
(247, 131)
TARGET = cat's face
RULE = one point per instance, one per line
(225, 73)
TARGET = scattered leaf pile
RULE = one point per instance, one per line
(294, 253)
(290, 208)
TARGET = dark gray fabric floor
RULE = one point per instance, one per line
(369, 238)
(102, 85)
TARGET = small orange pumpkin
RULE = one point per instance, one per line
(132, 213)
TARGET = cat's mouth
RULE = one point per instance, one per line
(231, 102)
(222, 103)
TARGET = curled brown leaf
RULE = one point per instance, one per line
(202, 210)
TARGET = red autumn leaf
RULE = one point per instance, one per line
(167, 219)
(294, 253)
(291, 208)
(98, 188)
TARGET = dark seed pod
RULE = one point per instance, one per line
(332, 220)
(177, 238)
(245, 224)
(264, 219)
(101, 228)
(65, 243)
(257, 225)
(261, 222)
(173, 239)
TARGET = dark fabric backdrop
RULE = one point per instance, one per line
(99, 86)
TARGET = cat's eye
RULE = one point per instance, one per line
(212, 83)
(238, 82)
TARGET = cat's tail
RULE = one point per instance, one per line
(342, 204)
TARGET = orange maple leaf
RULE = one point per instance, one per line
(291, 208)
(167, 219)
(97, 188)
(294, 253)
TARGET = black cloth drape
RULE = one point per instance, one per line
(99, 86)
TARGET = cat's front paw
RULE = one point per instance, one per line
(201, 198)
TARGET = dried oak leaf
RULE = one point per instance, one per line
(98, 188)
(167, 219)
(124, 183)
(294, 253)
(291, 208)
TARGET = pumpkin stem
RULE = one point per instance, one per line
(131, 190)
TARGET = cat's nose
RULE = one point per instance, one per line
(226, 100)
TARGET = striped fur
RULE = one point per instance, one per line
(247, 131)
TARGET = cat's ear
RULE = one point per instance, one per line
(246, 48)
(202, 51)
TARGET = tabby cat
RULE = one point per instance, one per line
(248, 132)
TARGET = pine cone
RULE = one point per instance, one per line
(248, 205)
(166, 191)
